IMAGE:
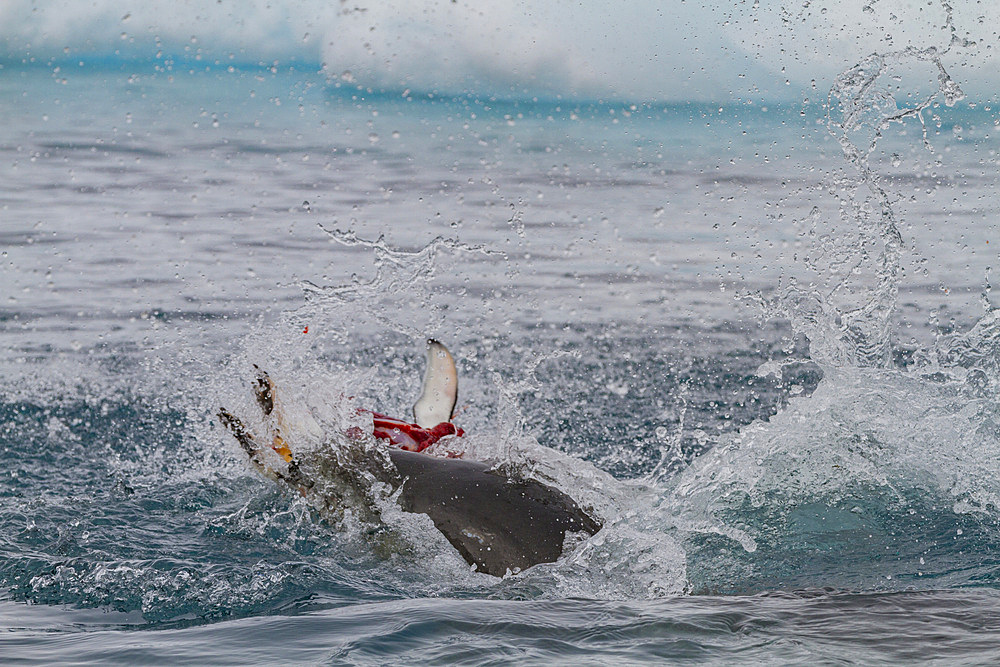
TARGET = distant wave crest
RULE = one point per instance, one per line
(517, 49)
(642, 50)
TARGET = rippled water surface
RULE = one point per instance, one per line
(769, 365)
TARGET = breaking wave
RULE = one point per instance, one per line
(696, 51)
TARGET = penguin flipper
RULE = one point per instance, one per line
(440, 390)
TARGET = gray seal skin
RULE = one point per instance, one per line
(499, 524)
(496, 523)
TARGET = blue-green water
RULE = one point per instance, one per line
(604, 296)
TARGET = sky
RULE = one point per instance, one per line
(639, 50)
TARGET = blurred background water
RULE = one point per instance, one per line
(769, 363)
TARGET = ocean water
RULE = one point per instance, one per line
(757, 339)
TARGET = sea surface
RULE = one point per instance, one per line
(758, 340)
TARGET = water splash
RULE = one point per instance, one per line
(846, 310)
(397, 271)
(881, 464)
(400, 296)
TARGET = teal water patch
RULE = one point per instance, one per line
(111, 503)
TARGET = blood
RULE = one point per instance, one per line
(412, 437)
